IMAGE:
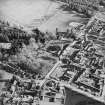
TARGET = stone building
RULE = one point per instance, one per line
(96, 30)
(96, 23)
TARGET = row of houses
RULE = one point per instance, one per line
(83, 2)
(84, 6)
(97, 22)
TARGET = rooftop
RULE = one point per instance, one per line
(100, 16)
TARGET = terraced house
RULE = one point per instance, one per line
(96, 29)
(84, 6)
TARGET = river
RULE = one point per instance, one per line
(45, 14)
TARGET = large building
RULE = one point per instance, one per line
(96, 23)
(96, 29)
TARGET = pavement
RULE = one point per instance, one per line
(47, 103)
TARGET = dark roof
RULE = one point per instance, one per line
(3, 38)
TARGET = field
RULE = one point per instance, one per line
(46, 15)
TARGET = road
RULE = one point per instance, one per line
(48, 75)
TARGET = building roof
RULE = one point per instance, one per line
(100, 16)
